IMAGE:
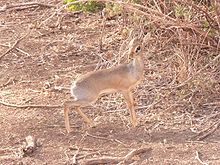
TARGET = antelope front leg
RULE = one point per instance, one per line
(85, 118)
(66, 116)
(130, 103)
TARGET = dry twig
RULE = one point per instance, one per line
(116, 160)
(74, 160)
(10, 80)
(22, 6)
(18, 49)
(102, 32)
(198, 158)
(103, 160)
(30, 106)
(133, 153)
(14, 45)
(207, 132)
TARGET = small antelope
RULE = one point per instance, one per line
(122, 78)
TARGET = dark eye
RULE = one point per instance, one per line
(137, 49)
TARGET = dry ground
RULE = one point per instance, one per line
(52, 56)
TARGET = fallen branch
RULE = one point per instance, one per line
(10, 80)
(29, 106)
(104, 160)
(116, 160)
(198, 158)
(207, 132)
(22, 6)
(133, 153)
(13, 46)
(18, 49)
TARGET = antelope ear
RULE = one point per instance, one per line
(141, 36)
(131, 43)
(147, 37)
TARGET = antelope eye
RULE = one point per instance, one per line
(137, 49)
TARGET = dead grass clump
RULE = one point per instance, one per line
(185, 53)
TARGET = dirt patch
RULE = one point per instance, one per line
(52, 56)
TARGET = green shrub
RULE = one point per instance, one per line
(93, 6)
(90, 6)
(182, 11)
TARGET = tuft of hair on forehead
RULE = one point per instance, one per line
(134, 41)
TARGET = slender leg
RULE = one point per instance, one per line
(67, 106)
(130, 103)
(85, 118)
(66, 116)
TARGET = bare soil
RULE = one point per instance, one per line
(53, 56)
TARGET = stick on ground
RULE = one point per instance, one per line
(13, 46)
(198, 158)
(21, 6)
(29, 106)
(204, 134)
(116, 160)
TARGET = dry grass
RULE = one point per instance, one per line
(182, 59)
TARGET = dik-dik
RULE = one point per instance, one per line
(122, 78)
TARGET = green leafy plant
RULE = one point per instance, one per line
(135, 1)
(93, 6)
(89, 6)
(182, 11)
(113, 9)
